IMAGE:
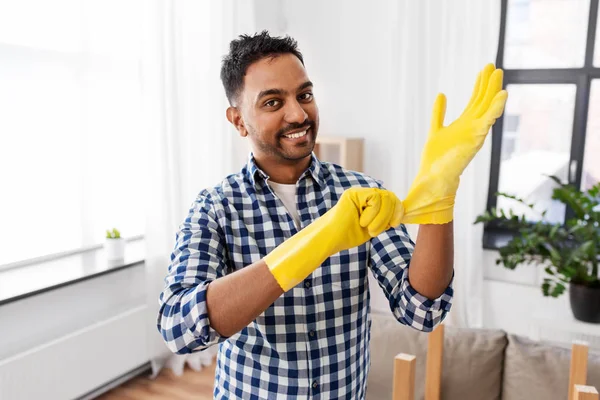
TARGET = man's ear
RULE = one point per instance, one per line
(235, 117)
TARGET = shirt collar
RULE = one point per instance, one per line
(315, 170)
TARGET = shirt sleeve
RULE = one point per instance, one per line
(390, 257)
(199, 257)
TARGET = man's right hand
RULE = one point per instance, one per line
(359, 215)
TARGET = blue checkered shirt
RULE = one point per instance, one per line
(313, 342)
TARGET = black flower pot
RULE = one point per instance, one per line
(585, 302)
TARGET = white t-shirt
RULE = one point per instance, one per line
(287, 194)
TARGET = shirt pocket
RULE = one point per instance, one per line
(351, 284)
(347, 269)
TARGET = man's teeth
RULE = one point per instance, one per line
(296, 135)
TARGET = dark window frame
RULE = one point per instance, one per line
(495, 237)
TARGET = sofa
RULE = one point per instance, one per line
(478, 364)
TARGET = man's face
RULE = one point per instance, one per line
(278, 111)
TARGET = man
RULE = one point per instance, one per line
(272, 262)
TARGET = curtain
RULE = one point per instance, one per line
(440, 47)
(189, 138)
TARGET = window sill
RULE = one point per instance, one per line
(27, 281)
(494, 239)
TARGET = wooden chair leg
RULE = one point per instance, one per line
(582, 392)
(578, 372)
(404, 377)
(435, 353)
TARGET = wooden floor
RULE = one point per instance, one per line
(191, 385)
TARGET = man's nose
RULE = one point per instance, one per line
(294, 113)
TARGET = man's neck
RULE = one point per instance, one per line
(285, 172)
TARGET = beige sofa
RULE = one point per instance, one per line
(478, 364)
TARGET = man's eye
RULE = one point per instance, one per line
(306, 96)
(272, 103)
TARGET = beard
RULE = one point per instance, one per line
(279, 147)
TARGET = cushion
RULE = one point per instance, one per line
(538, 370)
(472, 364)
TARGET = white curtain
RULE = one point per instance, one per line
(440, 48)
(188, 134)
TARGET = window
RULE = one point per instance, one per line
(551, 123)
(71, 146)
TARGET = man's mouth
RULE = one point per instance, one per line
(297, 135)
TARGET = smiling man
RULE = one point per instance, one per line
(273, 262)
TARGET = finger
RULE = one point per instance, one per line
(382, 221)
(485, 77)
(495, 86)
(398, 213)
(439, 112)
(474, 94)
(371, 204)
(494, 112)
(497, 108)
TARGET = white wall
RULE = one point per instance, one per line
(511, 306)
(349, 56)
(512, 298)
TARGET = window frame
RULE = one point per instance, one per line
(495, 237)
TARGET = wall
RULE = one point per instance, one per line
(513, 298)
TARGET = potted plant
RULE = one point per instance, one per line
(570, 251)
(114, 245)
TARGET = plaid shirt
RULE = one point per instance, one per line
(313, 342)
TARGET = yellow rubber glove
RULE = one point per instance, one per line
(359, 215)
(449, 149)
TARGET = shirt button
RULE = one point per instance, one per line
(315, 384)
(307, 284)
(311, 333)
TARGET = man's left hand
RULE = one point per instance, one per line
(449, 149)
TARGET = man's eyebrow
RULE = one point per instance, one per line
(281, 92)
(270, 92)
(305, 85)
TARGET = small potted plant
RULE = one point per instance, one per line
(114, 245)
(570, 251)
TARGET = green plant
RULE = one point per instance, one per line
(569, 250)
(114, 234)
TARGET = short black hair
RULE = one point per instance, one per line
(248, 49)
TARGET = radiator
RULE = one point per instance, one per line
(75, 364)
(562, 329)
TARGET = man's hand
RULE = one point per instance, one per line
(449, 149)
(359, 215)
